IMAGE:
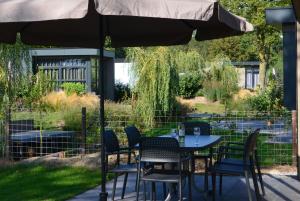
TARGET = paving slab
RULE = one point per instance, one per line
(278, 188)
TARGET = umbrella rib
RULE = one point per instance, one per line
(25, 27)
(188, 24)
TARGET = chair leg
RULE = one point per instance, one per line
(164, 184)
(152, 194)
(180, 190)
(154, 191)
(248, 185)
(260, 177)
(220, 184)
(114, 187)
(190, 186)
(164, 189)
(138, 179)
(145, 190)
(213, 176)
(254, 177)
(124, 185)
(206, 175)
(136, 182)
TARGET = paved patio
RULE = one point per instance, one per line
(278, 188)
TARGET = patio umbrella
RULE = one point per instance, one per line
(86, 23)
(296, 5)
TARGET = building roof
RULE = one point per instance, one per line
(70, 52)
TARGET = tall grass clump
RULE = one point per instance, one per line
(222, 80)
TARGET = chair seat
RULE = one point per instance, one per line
(130, 168)
(230, 169)
(169, 176)
(233, 161)
(201, 156)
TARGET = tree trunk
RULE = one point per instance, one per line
(262, 70)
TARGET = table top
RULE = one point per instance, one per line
(204, 142)
(35, 135)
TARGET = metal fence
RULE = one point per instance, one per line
(36, 134)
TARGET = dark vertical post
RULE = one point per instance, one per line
(298, 96)
(294, 134)
(289, 65)
(103, 194)
(83, 128)
(7, 132)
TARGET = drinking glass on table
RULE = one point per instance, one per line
(197, 133)
(173, 132)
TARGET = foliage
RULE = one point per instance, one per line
(270, 98)
(74, 88)
(122, 92)
(265, 39)
(189, 84)
(13, 59)
(188, 61)
(156, 81)
(222, 80)
(37, 182)
(210, 108)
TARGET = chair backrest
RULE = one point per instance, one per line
(17, 126)
(250, 144)
(159, 149)
(133, 136)
(205, 127)
(111, 142)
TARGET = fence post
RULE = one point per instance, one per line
(83, 128)
(294, 134)
(298, 97)
(7, 133)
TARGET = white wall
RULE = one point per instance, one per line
(122, 73)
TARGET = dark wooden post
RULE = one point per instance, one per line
(83, 128)
(7, 132)
(294, 133)
(298, 97)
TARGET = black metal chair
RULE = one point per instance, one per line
(163, 150)
(205, 129)
(112, 147)
(246, 169)
(232, 150)
(134, 137)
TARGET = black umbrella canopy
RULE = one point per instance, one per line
(72, 23)
(296, 4)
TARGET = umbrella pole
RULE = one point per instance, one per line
(103, 194)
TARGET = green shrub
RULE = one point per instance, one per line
(73, 88)
(189, 84)
(122, 92)
(269, 99)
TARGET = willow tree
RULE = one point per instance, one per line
(13, 59)
(156, 81)
(11, 70)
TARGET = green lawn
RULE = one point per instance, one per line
(210, 108)
(37, 183)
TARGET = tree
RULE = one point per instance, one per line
(156, 81)
(265, 39)
(12, 60)
(156, 71)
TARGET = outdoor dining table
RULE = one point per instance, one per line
(194, 143)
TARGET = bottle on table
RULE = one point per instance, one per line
(181, 134)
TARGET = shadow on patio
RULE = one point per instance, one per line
(278, 187)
